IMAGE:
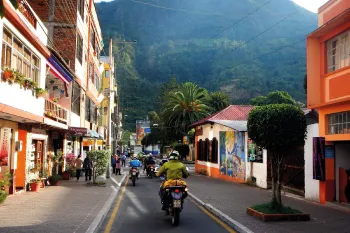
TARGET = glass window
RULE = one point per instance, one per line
(80, 49)
(107, 73)
(19, 57)
(339, 123)
(338, 52)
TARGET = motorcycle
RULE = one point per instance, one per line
(151, 172)
(133, 175)
(174, 199)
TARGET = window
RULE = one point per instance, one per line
(81, 7)
(105, 110)
(106, 73)
(338, 52)
(214, 151)
(339, 123)
(80, 49)
(200, 150)
(93, 38)
(17, 56)
(87, 109)
(76, 99)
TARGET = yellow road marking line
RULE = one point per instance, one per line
(116, 208)
(221, 223)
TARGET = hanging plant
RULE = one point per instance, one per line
(39, 92)
(7, 73)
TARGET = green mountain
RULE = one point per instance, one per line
(210, 42)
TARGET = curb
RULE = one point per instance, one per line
(223, 217)
(95, 225)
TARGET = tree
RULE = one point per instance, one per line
(218, 101)
(99, 160)
(167, 89)
(275, 97)
(183, 150)
(278, 128)
(185, 107)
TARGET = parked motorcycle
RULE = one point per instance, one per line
(174, 199)
(133, 175)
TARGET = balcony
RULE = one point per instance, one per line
(55, 111)
(27, 13)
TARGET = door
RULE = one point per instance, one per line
(39, 154)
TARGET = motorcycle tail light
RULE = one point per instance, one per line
(177, 190)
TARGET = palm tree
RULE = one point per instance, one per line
(186, 106)
(218, 101)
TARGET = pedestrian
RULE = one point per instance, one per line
(114, 161)
(78, 163)
(117, 166)
(123, 159)
(87, 167)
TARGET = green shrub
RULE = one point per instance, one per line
(3, 196)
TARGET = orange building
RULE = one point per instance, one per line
(328, 80)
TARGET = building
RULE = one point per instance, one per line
(30, 107)
(109, 104)
(221, 144)
(328, 78)
(74, 32)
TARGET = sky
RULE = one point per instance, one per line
(311, 5)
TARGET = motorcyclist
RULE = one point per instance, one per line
(135, 163)
(149, 163)
(174, 170)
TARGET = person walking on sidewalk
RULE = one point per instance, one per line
(117, 166)
(87, 167)
(124, 159)
(114, 161)
(78, 163)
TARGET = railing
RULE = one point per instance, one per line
(27, 12)
(55, 111)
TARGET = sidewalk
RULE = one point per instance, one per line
(233, 200)
(70, 207)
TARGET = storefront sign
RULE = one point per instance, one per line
(78, 130)
(5, 146)
(38, 131)
(255, 153)
(319, 158)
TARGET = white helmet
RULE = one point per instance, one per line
(174, 155)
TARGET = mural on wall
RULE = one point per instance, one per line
(255, 153)
(5, 146)
(232, 154)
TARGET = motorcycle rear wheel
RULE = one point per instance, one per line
(133, 181)
(176, 217)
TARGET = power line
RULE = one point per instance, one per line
(279, 49)
(177, 9)
(241, 45)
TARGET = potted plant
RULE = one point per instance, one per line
(54, 179)
(4, 182)
(19, 78)
(39, 92)
(7, 73)
(35, 185)
(43, 178)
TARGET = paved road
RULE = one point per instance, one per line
(140, 211)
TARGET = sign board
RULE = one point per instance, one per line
(78, 130)
(5, 146)
(199, 131)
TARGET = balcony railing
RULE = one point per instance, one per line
(27, 12)
(55, 111)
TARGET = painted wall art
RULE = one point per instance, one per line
(232, 154)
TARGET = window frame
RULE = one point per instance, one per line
(338, 52)
(79, 49)
(76, 98)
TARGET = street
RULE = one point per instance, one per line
(140, 211)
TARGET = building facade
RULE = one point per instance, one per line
(328, 77)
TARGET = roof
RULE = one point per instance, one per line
(231, 113)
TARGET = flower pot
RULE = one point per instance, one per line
(66, 175)
(7, 74)
(35, 187)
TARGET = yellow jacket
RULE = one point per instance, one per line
(174, 169)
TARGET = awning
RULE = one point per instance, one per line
(64, 76)
(237, 125)
(92, 134)
(56, 73)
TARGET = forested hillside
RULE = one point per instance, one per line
(218, 44)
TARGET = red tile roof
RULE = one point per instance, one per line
(231, 113)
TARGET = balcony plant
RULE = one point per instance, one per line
(7, 73)
(35, 185)
(39, 92)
